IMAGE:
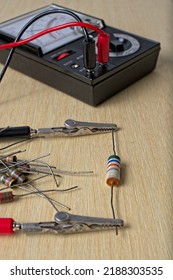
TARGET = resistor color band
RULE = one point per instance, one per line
(6, 197)
(7, 181)
(6, 225)
(113, 170)
(17, 175)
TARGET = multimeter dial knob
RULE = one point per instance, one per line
(123, 45)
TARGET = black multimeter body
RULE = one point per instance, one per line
(57, 59)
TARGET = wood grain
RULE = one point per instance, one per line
(143, 112)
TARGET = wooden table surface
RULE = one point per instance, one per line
(143, 112)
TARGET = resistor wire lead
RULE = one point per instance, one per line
(18, 185)
(25, 161)
(14, 171)
(6, 197)
(39, 168)
(13, 144)
(51, 171)
(50, 199)
(113, 173)
(25, 168)
(39, 192)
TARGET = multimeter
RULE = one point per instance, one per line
(56, 59)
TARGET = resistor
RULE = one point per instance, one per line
(17, 175)
(6, 197)
(113, 173)
(9, 159)
(113, 170)
(7, 181)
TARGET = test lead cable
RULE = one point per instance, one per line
(25, 27)
(103, 39)
(103, 43)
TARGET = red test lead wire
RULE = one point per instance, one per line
(103, 39)
(6, 225)
(52, 29)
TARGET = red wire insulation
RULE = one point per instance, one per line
(103, 48)
(52, 29)
(6, 225)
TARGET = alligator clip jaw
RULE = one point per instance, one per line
(74, 223)
(74, 128)
(84, 128)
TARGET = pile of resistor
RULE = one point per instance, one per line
(13, 174)
(16, 174)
